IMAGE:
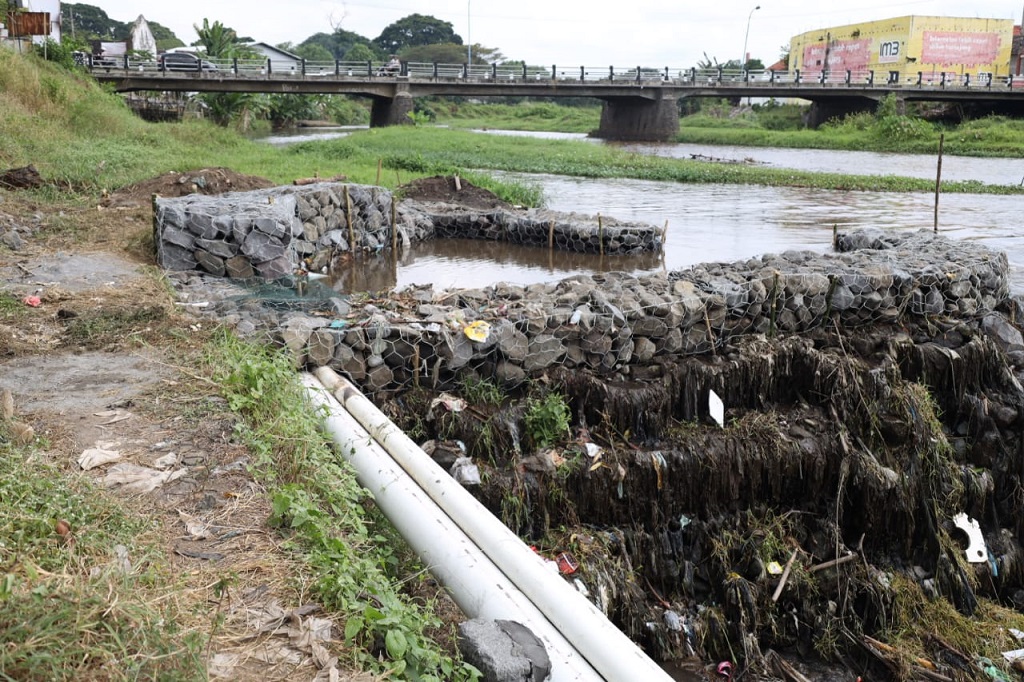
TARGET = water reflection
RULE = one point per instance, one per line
(313, 134)
(469, 263)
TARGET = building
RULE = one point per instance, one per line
(905, 49)
(281, 61)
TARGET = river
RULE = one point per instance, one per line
(731, 222)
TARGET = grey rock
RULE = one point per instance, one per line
(209, 262)
(261, 247)
(239, 267)
(999, 329)
(218, 247)
(543, 351)
(504, 651)
(12, 240)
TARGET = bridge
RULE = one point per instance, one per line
(639, 104)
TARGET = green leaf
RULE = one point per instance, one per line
(396, 644)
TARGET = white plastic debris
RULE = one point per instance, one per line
(102, 454)
(716, 408)
(465, 472)
(977, 552)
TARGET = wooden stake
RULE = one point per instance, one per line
(394, 227)
(785, 577)
(938, 180)
(600, 234)
(458, 183)
(664, 235)
(416, 366)
(348, 217)
(551, 235)
(711, 334)
(380, 164)
(835, 235)
(833, 563)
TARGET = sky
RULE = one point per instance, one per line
(592, 33)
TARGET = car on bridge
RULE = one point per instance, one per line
(183, 61)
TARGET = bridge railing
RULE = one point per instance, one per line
(517, 73)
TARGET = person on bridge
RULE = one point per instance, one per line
(392, 68)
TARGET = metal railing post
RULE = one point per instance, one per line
(771, 76)
(554, 72)
(849, 77)
(435, 70)
(693, 75)
(337, 68)
(369, 68)
(796, 76)
(494, 71)
(637, 74)
(611, 74)
(871, 77)
(269, 67)
(465, 71)
(583, 74)
(524, 71)
(720, 71)
(967, 80)
(302, 64)
(920, 78)
(667, 77)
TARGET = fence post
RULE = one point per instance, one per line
(302, 62)
(269, 66)
(611, 74)
(554, 72)
(849, 76)
(871, 77)
(524, 70)
(494, 71)
(369, 68)
(583, 74)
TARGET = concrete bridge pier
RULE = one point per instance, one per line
(391, 111)
(638, 119)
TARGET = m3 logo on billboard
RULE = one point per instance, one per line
(888, 52)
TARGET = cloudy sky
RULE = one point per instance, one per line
(565, 32)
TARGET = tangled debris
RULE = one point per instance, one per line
(818, 525)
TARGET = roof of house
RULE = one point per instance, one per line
(271, 51)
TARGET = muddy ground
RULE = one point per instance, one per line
(854, 447)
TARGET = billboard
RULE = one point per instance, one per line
(946, 48)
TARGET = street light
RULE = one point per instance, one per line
(743, 59)
(469, 32)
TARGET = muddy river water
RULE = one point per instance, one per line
(727, 222)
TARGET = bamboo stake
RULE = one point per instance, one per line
(664, 235)
(551, 235)
(458, 183)
(380, 165)
(835, 235)
(600, 234)
(938, 180)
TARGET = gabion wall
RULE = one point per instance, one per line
(275, 232)
(619, 324)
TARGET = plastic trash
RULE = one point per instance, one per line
(465, 472)
(478, 331)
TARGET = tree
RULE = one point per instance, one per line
(338, 43)
(218, 40)
(89, 22)
(413, 30)
(311, 52)
(444, 53)
(360, 52)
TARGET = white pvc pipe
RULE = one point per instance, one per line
(604, 646)
(474, 582)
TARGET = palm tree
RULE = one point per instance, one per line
(216, 38)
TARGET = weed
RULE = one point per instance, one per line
(67, 608)
(482, 391)
(547, 420)
(318, 504)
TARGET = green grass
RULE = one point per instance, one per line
(432, 151)
(534, 116)
(67, 611)
(317, 504)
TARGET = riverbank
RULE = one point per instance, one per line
(261, 538)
